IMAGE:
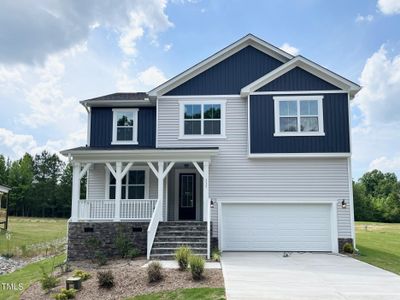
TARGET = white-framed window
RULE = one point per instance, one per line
(202, 119)
(135, 184)
(298, 116)
(125, 126)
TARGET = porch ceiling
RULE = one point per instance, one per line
(95, 154)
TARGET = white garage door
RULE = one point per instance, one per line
(276, 227)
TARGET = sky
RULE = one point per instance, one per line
(54, 53)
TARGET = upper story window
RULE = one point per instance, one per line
(298, 116)
(125, 126)
(202, 119)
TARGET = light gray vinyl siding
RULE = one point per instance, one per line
(235, 177)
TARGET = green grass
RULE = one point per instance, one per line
(28, 231)
(26, 276)
(379, 244)
(185, 294)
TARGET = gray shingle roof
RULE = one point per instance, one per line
(121, 96)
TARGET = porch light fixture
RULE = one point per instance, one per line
(344, 204)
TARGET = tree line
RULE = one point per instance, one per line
(41, 185)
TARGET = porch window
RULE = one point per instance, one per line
(133, 185)
(202, 119)
(298, 115)
(125, 126)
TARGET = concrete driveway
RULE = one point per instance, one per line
(260, 275)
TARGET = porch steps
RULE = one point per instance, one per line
(172, 235)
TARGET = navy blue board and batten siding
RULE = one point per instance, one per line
(336, 128)
(102, 127)
(230, 75)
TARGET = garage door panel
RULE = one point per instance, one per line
(276, 227)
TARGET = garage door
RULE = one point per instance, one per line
(276, 227)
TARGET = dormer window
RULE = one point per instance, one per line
(298, 116)
(125, 126)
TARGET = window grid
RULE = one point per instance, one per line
(202, 118)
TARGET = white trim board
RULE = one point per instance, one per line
(298, 155)
(248, 40)
(135, 117)
(307, 65)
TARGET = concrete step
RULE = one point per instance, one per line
(180, 238)
(173, 223)
(182, 227)
(169, 256)
(186, 233)
(178, 244)
(171, 250)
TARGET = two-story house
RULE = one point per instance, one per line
(248, 150)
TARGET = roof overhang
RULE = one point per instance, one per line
(4, 189)
(117, 103)
(173, 154)
(248, 40)
(309, 66)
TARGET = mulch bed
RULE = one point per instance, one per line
(130, 279)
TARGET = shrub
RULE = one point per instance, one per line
(348, 248)
(154, 273)
(123, 244)
(105, 279)
(196, 266)
(7, 255)
(71, 293)
(60, 296)
(82, 274)
(48, 280)
(133, 252)
(100, 258)
(182, 255)
(216, 255)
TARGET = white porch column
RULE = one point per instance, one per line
(76, 190)
(161, 186)
(206, 196)
(118, 184)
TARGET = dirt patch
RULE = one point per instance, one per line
(130, 279)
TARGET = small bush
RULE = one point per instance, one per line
(182, 256)
(82, 274)
(216, 255)
(196, 266)
(123, 244)
(7, 255)
(60, 296)
(133, 253)
(71, 293)
(100, 258)
(105, 279)
(154, 273)
(48, 280)
(348, 248)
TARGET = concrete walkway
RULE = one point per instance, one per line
(310, 276)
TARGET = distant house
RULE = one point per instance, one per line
(4, 190)
(248, 150)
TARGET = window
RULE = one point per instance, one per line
(203, 119)
(298, 115)
(134, 185)
(125, 126)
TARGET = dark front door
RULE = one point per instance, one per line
(187, 196)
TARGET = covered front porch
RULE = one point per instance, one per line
(152, 185)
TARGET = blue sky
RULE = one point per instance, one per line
(65, 51)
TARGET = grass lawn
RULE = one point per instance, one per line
(185, 294)
(28, 231)
(379, 244)
(25, 276)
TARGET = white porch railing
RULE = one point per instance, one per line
(104, 209)
(152, 229)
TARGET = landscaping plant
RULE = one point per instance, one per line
(348, 248)
(216, 255)
(48, 280)
(133, 253)
(154, 271)
(105, 279)
(196, 266)
(82, 274)
(65, 294)
(8, 254)
(182, 256)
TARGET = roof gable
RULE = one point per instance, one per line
(309, 66)
(248, 40)
(298, 79)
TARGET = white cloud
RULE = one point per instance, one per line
(290, 49)
(389, 7)
(361, 19)
(18, 143)
(167, 47)
(386, 164)
(145, 80)
(376, 137)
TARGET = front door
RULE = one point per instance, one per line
(187, 196)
